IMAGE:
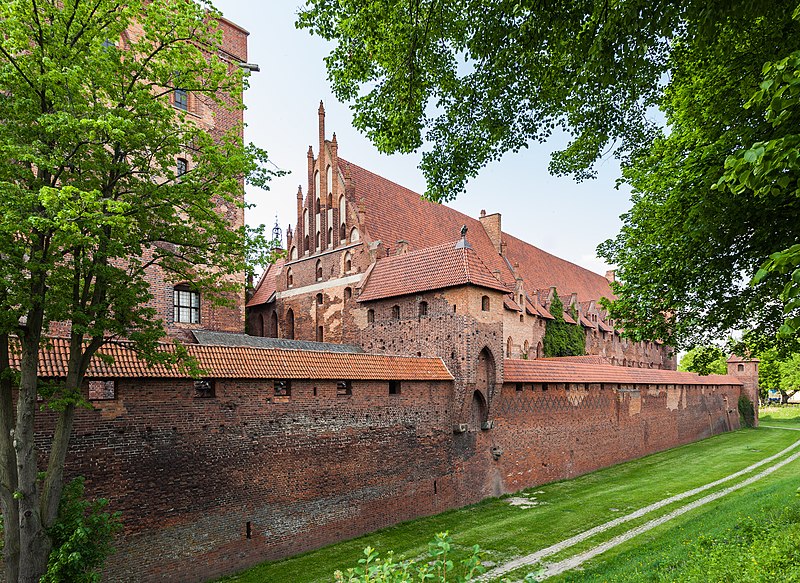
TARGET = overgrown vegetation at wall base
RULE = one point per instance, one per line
(562, 338)
(437, 567)
(746, 412)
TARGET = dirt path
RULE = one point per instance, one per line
(574, 561)
(536, 557)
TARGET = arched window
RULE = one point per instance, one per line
(290, 324)
(305, 222)
(330, 201)
(740, 368)
(316, 183)
(521, 301)
(539, 350)
(395, 312)
(342, 214)
(329, 176)
(317, 240)
(330, 236)
(423, 308)
(293, 253)
(273, 327)
(348, 293)
(319, 270)
(319, 299)
(370, 316)
(525, 349)
(342, 232)
(485, 303)
(316, 205)
(509, 345)
(289, 278)
(354, 235)
(181, 167)
(348, 262)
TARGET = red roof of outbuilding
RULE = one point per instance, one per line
(558, 370)
(442, 266)
(244, 362)
(267, 284)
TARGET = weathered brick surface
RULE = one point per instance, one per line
(189, 473)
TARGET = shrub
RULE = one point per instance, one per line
(747, 413)
(438, 567)
(82, 537)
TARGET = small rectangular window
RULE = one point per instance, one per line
(181, 99)
(520, 386)
(282, 388)
(204, 388)
(344, 388)
(394, 387)
(186, 305)
(102, 390)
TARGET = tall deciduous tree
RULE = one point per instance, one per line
(89, 198)
(704, 360)
(477, 78)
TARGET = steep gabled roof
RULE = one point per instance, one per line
(438, 267)
(395, 213)
(266, 284)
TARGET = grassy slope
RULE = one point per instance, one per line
(567, 507)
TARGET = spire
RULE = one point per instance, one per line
(300, 191)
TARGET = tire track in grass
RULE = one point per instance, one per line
(537, 556)
(576, 560)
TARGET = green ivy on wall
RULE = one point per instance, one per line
(562, 338)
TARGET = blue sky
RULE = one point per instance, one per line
(558, 215)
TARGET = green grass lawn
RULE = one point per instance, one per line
(564, 508)
(785, 416)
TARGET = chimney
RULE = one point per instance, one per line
(491, 224)
(611, 275)
(402, 247)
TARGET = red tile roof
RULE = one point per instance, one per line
(559, 370)
(438, 267)
(395, 213)
(510, 304)
(267, 284)
(243, 362)
(585, 359)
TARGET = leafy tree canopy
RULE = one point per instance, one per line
(704, 360)
(90, 198)
(714, 193)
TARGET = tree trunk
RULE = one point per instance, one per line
(8, 466)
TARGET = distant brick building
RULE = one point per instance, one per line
(371, 263)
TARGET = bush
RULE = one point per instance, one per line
(747, 414)
(82, 537)
(436, 568)
(561, 338)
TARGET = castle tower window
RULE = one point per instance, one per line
(290, 324)
(306, 244)
(317, 240)
(354, 235)
(316, 183)
(186, 305)
(423, 309)
(181, 167)
(525, 349)
(330, 236)
(342, 218)
(348, 262)
(316, 205)
(342, 233)
(740, 368)
(180, 99)
(319, 299)
(394, 387)
(485, 303)
(395, 312)
(319, 268)
(370, 316)
(509, 346)
(289, 278)
(348, 293)
(320, 334)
